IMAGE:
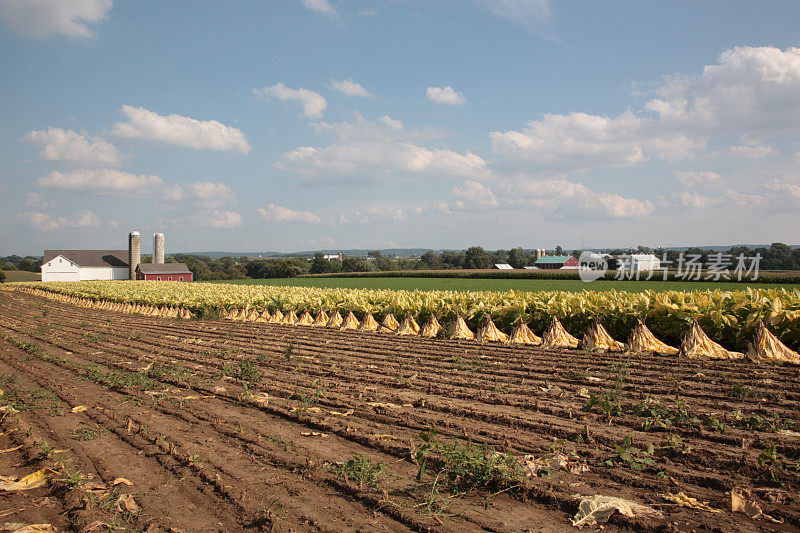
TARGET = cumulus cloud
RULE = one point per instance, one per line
(203, 193)
(102, 181)
(560, 194)
(365, 151)
(748, 90)
(473, 195)
(378, 214)
(692, 178)
(67, 146)
(350, 88)
(221, 219)
(284, 215)
(37, 201)
(320, 6)
(748, 87)
(445, 95)
(39, 19)
(314, 104)
(180, 131)
(45, 222)
(580, 141)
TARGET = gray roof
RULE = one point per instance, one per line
(163, 268)
(91, 258)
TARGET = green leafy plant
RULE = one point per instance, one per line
(633, 457)
(359, 469)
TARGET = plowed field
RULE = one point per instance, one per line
(226, 426)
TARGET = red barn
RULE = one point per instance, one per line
(163, 272)
(557, 262)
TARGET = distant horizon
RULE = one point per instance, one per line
(364, 251)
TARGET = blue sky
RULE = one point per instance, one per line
(305, 124)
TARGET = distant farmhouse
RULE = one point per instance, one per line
(553, 262)
(80, 265)
(638, 262)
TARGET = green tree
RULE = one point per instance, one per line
(319, 265)
(518, 258)
(559, 250)
(476, 257)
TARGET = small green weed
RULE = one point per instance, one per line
(359, 469)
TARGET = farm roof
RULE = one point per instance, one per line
(550, 259)
(163, 268)
(91, 258)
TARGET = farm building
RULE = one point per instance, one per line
(638, 262)
(163, 272)
(502, 266)
(80, 265)
(557, 261)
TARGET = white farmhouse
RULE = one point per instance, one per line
(639, 262)
(79, 265)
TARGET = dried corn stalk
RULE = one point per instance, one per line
(642, 340)
(409, 326)
(767, 347)
(305, 319)
(264, 316)
(351, 322)
(489, 332)
(335, 320)
(289, 318)
(460, 330)
(431, 327)
(322, 319)
(368, 323)
(276, 318)
(598, 339)
(696, 344)
(558, 337)
(389, 323)
(522, 334)
(252, 315)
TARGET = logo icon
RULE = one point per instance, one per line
(591, 266)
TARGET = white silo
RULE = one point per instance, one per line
(134, 252)
(158, 248)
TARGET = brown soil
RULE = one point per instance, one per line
(227, 426)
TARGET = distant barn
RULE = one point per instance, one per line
(557, 261)
(163, 272)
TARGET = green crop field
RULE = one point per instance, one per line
(458, 284)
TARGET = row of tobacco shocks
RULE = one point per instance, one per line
(696, 344)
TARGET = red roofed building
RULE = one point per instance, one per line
(163, 272)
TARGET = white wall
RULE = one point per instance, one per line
(62, 269)
(101, 273)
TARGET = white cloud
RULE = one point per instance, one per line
(222, 219)
(579, 141)
(445, 95)
(378, 214)
(38, 19)
(277, 214)
(366, 151)
(37, 201)
(320, 6)
(180, 131)
(102, 181)
(749, 87)
(692, 178)
(533, 15)
(203, 193)
(314, 104)
(692, 200)
(563, 197)
(749, 152)
(350, 88)
(67, 146)
(473, 195)
(45, 222)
